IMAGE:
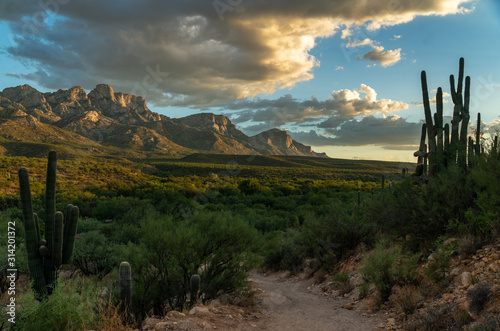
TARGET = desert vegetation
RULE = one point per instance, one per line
(178, 218)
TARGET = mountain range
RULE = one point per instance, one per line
(103, 121)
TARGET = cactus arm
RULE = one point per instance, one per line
(460, 76)
(446, 145)
(478, 134)
(439, 125)
(69, 240)
(37, 225)
(50, 209)
(125, 285)
(35, 264)
(58, 240)
(470, 152)
(431, 137)
(67, 214)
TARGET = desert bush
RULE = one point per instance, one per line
(220, 247)
(442, 318)
(386, 267)
(70, 307)
(88, 224)
(287, 256)
(478, 296)
(342, 283)
(95, 254)
(331, 239)
(406, 299)
(438, 267)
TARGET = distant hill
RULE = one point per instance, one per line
(104, 122)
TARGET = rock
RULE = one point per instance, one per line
(161, 325)
(149, 323)
(495, 256)
(494, 267)
(448, 296)
(455, 271)
(391, 321)
(348, 306)
(199, 311)
(175, 314)
(465, 279)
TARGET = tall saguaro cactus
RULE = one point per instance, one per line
(46, 256)
(443, 150)
(460, 113)
(431, 136)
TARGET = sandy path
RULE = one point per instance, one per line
(289, 305)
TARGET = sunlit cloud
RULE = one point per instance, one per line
(190, 53)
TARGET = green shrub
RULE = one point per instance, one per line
(70, 307)
(386, 267)
(287, 255)
(331, 239)
(95, 254)
(438, 266)
(342, 283)
(89, 224)
(220, 247)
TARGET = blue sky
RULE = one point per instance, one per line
(345, 81)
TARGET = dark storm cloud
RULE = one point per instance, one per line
(189, 53)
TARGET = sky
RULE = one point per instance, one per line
(342, 76)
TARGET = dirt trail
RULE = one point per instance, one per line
(289, 305)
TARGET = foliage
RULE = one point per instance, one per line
(70, 307)
(438, 266)
(95, 254)
(388, 266)
(331, 239)
(220, 248)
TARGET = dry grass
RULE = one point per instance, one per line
(406, 299)
(111, 319)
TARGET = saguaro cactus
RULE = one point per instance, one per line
(125, 285)
(46, 256)
(444, 151)
(460, 113)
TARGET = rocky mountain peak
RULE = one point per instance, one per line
(276, 137)
(211, 122)
(25, 95)
(103, 91)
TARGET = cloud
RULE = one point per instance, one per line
(189, 53)
(339, 68)
(396, 37)
(391, 132)
(432, 100)
(358, 43)
(343, 105)
(385, 58)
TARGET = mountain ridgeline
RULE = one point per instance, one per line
(105, 122)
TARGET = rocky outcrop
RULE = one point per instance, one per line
(123, 120)
(277, 142)
(123, 107)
